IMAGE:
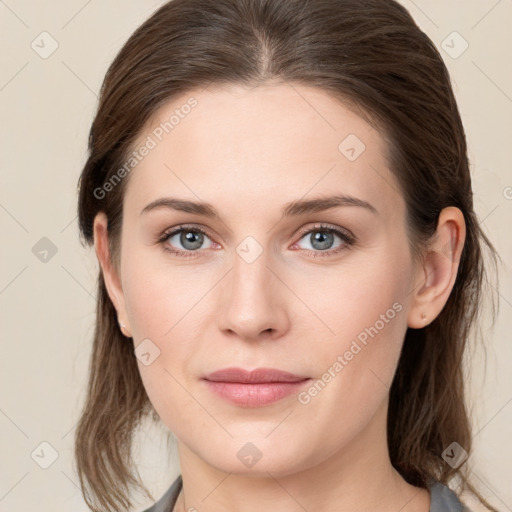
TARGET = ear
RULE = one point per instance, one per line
(436, 274)
(110, 274)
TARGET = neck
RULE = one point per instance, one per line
(358, 477)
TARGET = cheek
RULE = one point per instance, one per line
(356, 365)
(159, 297)
(368, 295)
(164, 304)
(365, 309)
(160, 307)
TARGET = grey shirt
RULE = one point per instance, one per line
(442, 499)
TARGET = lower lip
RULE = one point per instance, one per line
(255, 395)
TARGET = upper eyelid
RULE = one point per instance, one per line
(177, 229)
(325, 226)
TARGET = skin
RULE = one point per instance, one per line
(248, 152)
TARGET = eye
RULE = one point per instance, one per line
(322, 240)
(190, 239)
(187, 241)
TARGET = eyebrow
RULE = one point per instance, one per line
(294, 208)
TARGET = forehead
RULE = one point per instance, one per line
(292, 140)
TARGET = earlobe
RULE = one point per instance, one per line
(438, 270)
(110, 274)
(124, 330)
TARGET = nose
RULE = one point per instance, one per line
(252, 301)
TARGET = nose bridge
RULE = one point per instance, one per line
(251, 302)
(250, 278)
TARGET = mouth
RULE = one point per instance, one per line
(255, 388)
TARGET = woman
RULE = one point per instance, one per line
(279, 198)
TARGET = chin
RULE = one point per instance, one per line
(257, 456)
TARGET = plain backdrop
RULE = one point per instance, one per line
(47, 279)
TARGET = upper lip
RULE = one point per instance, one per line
(257, 376)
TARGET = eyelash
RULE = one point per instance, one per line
(347, 238)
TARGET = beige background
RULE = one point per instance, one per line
(47, 308)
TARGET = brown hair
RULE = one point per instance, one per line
(370, 54)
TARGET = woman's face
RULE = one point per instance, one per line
(278, 279)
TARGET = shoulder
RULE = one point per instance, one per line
(167, 501)
(443, 499)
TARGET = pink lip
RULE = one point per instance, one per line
(254, 388)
